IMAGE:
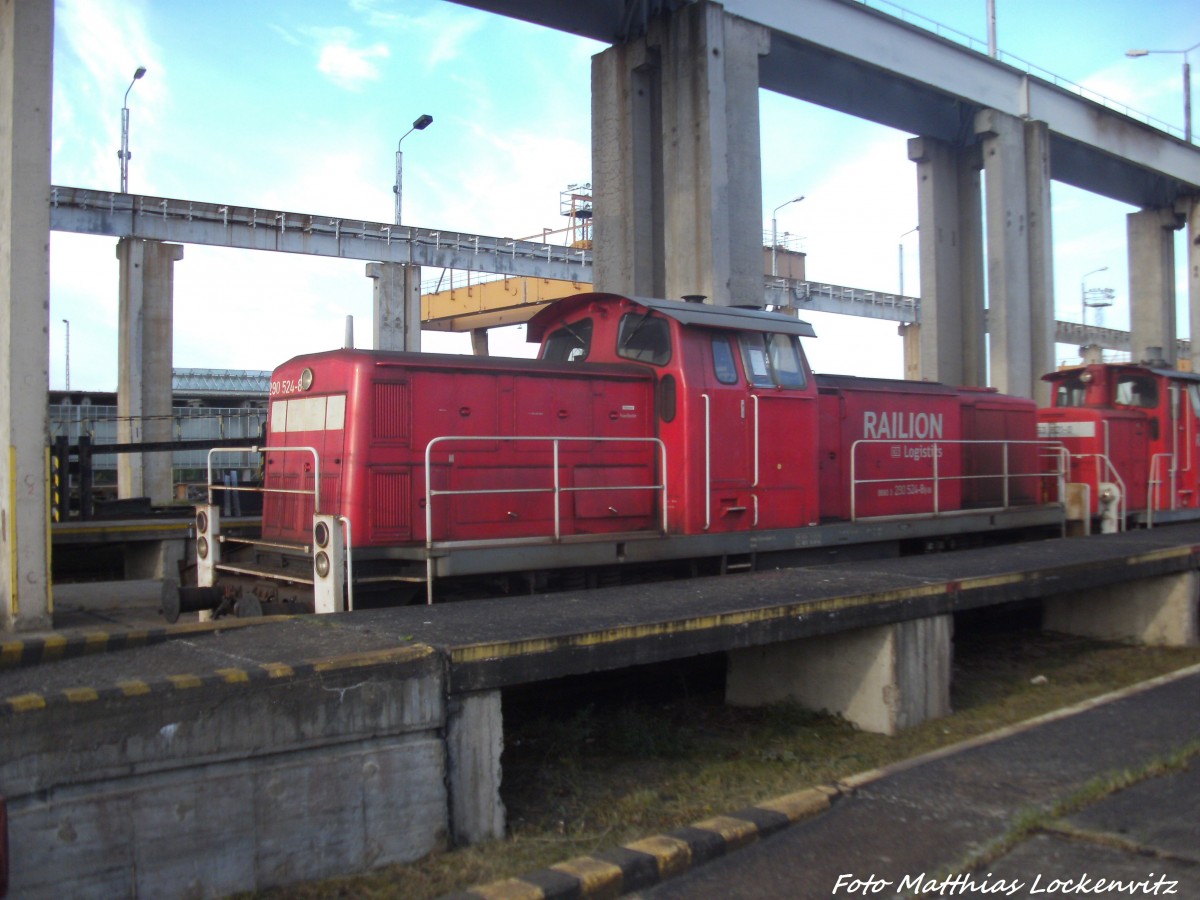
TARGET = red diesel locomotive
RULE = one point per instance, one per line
(648, 434)
(1133, 436)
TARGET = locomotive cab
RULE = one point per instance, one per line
(735, 402)
(1132, 435)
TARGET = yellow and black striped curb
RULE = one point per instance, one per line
(652, 860)
(174, 685)
(51, 648)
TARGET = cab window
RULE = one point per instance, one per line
(644, 338)
(772, 360)
(571, 343)
(723, 363)
(1137, 390)
(1069, 392)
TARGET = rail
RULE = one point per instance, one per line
(937, 479)
(556, 489)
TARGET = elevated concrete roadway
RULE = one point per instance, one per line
(849, 57)
(86, 211)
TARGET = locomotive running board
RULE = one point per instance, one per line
(616, 550)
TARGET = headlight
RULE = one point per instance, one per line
(321, 534)
(202, 548)
(306, 379)
(322, 564)
(201, 522)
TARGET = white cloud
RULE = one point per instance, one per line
(350, 67)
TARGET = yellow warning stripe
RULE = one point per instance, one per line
(595, 875)
(735, 832)
(672, 855)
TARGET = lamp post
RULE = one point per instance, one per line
(775, 233)
(901, 255)
(1187, 84)
(67, 322)
(419, 124)
(123, 155)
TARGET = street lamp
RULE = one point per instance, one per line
(775, 233)
(67, 322)
(123, 155)
(419, 124)
(901, 255)
(1187, 84)
(1100, 297)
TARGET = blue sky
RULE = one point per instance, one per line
(297, 105)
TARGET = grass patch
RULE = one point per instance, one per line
(659, 749)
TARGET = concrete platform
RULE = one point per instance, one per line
(98, 717)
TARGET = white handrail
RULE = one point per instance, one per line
(936, 478)
(316, 491)
(556, 488)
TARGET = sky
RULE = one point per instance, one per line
(298, 105)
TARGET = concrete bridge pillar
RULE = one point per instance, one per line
(474, 742)
(882, 679)
(1163, 611)
(397, 306)
(1016, 166)
(144, 364)
(948, 345)
(26, 45)
(676, 171)
(1191, 209)
(1151, 236)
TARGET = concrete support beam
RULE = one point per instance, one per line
(910, 334)
(1161, 611)
(882, 679)
(1151, 236)
(1191, 210)
(676, 171)
(1041, 256)
(26, 45)
(474, 742)
(397, 306)
(950, 345)
(1016, 168)
(144, 364)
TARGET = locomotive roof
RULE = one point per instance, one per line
(702, 314)
(1177, 374)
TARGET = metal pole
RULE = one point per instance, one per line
(68, 324)
(991, 23)
(775, 233)
(123, 154)
(1187, 100)
(774, 245)
(399, 181)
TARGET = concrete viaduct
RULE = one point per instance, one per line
(677, 197)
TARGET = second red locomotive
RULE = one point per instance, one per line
(647, 433)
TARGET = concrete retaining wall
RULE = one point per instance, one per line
(233, 787)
